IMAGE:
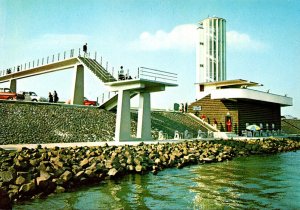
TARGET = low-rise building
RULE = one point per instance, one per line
(230, 105)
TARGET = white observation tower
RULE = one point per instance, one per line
(211, 50)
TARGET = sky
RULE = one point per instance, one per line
(263, 42)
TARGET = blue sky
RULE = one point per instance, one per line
(263, 41)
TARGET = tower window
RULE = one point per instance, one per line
(201, 88)
(201, 65)
(201, 43)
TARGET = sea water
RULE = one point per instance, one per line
(255, 182)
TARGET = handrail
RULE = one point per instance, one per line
(97, 69)
(45, 61)
(90, 63)
(203, 123)
(161, 74)
(108, 75)
(101, 69)
(157, 77)
(157, 70)
(157, 74)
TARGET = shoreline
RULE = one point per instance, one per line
(28, 173)
(132, 143)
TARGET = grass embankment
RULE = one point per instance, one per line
(38, 123)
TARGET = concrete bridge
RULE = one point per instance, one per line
(77, 63)
(147, 81)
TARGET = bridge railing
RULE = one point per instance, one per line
(158, 75)
(39, 62)
(104, 96)
(142, 72)
(72, 53)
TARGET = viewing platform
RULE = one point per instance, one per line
(143, 87)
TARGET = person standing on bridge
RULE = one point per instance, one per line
(121, 74)
(84, 49)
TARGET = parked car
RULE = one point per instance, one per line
(87, 102)
(30, 96)
(7, 94)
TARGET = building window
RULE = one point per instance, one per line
(201, 88)
(201, 65)
(201, 43)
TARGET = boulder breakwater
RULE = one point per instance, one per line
(31, 173)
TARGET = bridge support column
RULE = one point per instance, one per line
(123, 122)
(127, 88)
(78, 86)
(13, 85)
(144, 117)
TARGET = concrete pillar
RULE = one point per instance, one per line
(78, 85)
(13, 85)
(123, 124)
(144, 117)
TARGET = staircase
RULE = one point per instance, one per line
(104, 76)
(206, 125)
(97, 69)
(290, 126)
(112, 102)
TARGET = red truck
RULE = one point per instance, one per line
(7, 94)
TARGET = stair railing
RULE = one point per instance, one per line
(155, 74)
(109, 76)
(90, 64)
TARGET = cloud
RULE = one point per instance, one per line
(241, 41)
(182, 37)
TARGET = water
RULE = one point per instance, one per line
(256, 182)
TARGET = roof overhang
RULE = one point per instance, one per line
(248, 94)
(230, 83)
